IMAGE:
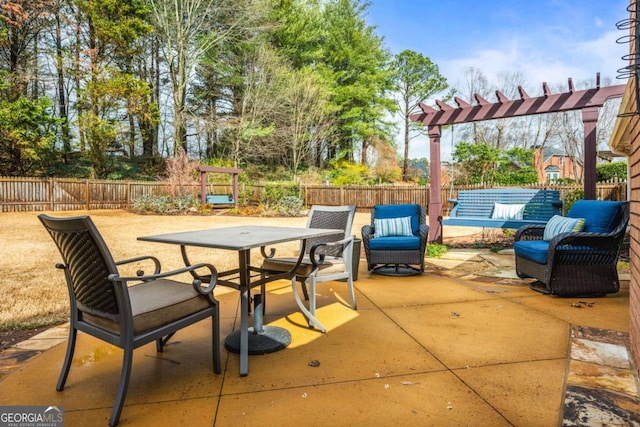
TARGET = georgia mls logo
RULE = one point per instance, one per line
(53, 408)
(31, 416)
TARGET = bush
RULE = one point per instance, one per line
(345, 173)
(436, 250)
(165, 204)
(290, 206)
(274, 194)
(609, 171)
(570, 199)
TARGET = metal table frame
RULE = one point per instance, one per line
(242, 239)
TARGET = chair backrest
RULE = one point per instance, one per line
(89, 264)
(601, 216)
(328, 217)
(415, 211)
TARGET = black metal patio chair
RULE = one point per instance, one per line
(104, 304)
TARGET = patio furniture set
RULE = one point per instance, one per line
(572, 255)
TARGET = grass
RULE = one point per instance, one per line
(34, 292)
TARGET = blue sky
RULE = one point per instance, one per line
(544, 40)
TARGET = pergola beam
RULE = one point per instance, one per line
(506, 108)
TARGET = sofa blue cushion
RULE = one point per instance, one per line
(599, 216)
(399, 211)
(394, 243)
(534, 250)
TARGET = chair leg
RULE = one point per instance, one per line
(313, 322)
(127, 362)
(352, 293)
(66, 366)
(215, 341)
(311, 297)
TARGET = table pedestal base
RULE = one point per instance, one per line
(272, 338)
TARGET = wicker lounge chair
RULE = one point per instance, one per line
(327, 258)
(396, 250)
(104, 306)
(573, 263)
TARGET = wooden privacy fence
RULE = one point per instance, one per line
(68, 194)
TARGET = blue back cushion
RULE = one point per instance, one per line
(399, 211)
(600, 216)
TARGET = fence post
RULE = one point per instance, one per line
(50, 194)
(128, 198)
(88, 197)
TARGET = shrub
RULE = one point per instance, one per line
(570, 199)
(274, 194)
(609, 171)
(165, 204)
(290, 206)
(345, 173)
(436, 250)
(182, 174)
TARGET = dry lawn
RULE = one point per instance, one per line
(34, 292)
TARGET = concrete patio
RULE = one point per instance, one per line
(465, 343)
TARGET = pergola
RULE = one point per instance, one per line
(589, 101)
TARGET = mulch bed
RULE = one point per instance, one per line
(493, 239)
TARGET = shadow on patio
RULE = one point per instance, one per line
(465, 343)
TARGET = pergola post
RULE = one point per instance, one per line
(590, 121)
(435, 193)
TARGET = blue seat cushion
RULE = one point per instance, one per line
(534, 250)
(599, 216)
(399, 243)
(400, 211)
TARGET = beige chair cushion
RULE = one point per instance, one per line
(156, 303)
(330, 265)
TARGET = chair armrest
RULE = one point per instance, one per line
(197, 283)
(583, 239)
(318, 259)
(368, 231)
(454, 208)
(602, 246)
(529, 232)
(155, 260)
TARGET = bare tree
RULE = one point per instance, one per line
(475, 83)
(188, 29)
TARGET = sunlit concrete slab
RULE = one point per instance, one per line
(467, 345)
(487, 332)
(426, 288)
(526, 393)
(609, 312)
(421, 399)
(366, 346)
(183, 370)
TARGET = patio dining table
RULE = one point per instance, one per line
(260, 339)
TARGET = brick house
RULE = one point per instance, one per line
(553, 164)
(625, 140)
